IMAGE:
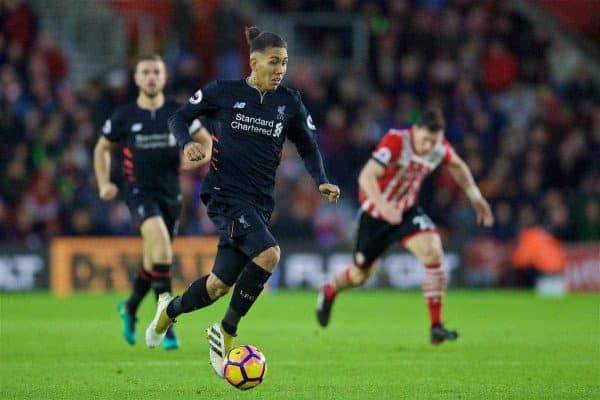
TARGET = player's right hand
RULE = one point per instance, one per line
(331, 191)
(194, 151)
(108, 191)
(389, 212)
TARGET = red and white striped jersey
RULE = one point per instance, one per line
(404, 169)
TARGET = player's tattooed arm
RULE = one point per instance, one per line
(463, 177)
(199, 151)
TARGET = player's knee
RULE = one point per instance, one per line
(432, 253)
(359, 276)
(361, 262)
(269, 258)
(216, 288)
(162, 254)
(362, 270)
(219, 291)
(364, 267)
(366, 272)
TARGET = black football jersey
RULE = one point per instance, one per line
(249, 129)
(150, 155)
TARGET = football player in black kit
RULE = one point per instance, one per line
(151, 160)
(250, 119)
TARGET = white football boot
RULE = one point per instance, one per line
(157, 329)
(219, 345)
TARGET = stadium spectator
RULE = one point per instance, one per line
(55, 61)
(499, 67)
(537, 252)
(19, 24)
(228, 42)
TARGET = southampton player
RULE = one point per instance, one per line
(389, 190)
(151, 162)
(250, 119)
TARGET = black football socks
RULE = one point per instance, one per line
(141, 286)
(194, 298)
(247, 288)
(161, 278)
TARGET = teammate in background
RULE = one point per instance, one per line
(389, 190)
(151, 162)
(250, 119)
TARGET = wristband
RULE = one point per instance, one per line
(473, 192)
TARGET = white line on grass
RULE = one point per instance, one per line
(164, 363)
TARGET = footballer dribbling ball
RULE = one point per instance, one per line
(245, 367)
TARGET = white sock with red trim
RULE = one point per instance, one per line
(434, 288)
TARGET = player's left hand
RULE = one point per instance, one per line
(331, 191)
(483, 212)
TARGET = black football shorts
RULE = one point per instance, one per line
(243, 234)
(375, 236)
(146, 204)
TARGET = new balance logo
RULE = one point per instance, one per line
(242, 220)
(239, 104)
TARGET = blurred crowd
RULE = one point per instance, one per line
(522, 110)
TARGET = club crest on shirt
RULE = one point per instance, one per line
(280, 113)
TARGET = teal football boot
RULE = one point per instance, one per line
(170, 341)
(128, 323)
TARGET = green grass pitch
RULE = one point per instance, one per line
(513, 345)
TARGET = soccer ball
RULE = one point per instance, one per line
(245, 367)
